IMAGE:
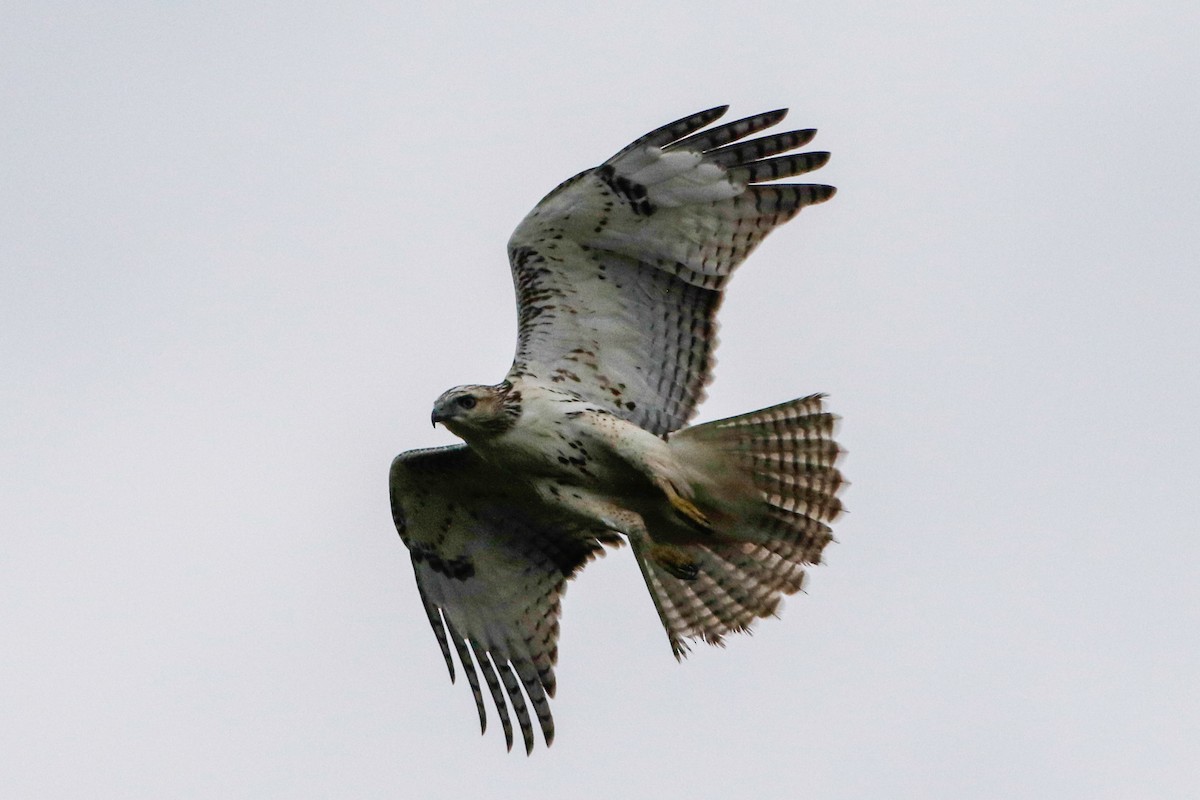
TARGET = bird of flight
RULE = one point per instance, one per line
(619, 273)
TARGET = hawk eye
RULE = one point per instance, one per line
(466, 401)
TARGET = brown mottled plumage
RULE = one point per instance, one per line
(619, 273)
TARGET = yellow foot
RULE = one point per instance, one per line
(674, 560)
(687, 508)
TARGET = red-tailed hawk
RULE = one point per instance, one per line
(619, 273)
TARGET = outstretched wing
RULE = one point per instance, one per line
(491, 563)
(619, 271)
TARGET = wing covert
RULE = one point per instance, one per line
(491, 564)
(619, 271)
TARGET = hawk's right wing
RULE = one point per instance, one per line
(620, 270)
(491, 562)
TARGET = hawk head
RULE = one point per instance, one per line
(478, 411)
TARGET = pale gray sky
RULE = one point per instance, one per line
(242, 250)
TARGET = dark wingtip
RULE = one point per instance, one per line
(508, 737)
(803, 137)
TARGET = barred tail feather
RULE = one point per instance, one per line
(734, 586)
(769, 481)
(788, 453)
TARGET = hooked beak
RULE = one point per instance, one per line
(435, 418)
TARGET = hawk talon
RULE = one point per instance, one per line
(685, 572)
(675, 561)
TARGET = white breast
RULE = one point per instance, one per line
(561, 436)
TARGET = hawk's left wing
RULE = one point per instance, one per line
(491, 563)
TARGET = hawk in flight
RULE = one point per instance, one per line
(619, 273)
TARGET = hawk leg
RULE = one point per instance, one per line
(652, 456)
(595, 508)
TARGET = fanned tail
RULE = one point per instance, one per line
(769, 480)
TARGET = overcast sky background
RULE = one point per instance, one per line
(243, 249)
